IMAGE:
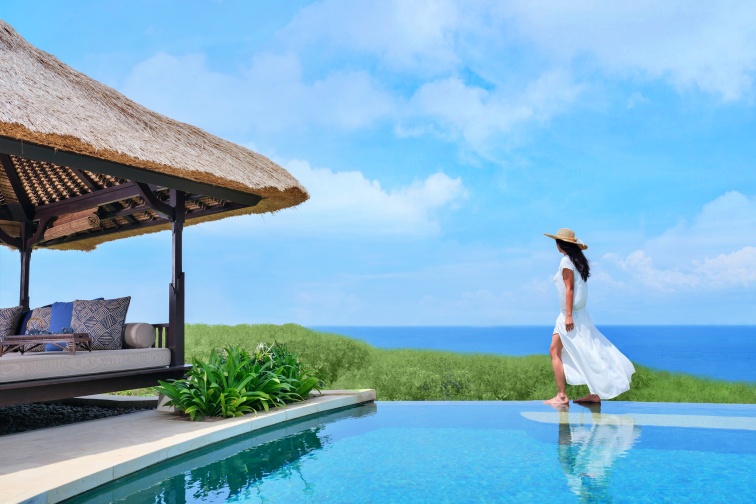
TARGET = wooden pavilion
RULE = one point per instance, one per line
(81, 164)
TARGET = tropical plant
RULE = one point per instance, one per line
(232, 382)
(288, 366)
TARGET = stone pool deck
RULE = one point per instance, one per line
(51, 465)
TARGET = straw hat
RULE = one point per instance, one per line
(568, 235)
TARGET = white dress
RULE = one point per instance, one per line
(590, 449)
(588, 357)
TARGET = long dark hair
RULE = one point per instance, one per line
(578, 258)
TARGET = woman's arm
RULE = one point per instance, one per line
(569, 286)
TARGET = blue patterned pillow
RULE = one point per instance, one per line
(39, 318)
(9, 320)
(103, 319)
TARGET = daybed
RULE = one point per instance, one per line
(45, 372)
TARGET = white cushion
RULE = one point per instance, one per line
(138, 335)
(35, 366)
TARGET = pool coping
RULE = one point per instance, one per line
(51, 465)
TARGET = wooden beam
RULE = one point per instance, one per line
(23, 209)
(89, 183)
(9, 240)
(124, 212)
(151, 199)
(51, 389)
(44, 224)
(139, 224)
(89, 200)
(62, 158)
(104, 232)
(84, 179)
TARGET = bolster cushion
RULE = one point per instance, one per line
(138, 335)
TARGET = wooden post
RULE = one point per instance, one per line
(176, 291)
(25, 248)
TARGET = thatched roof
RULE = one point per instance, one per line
(65, 137)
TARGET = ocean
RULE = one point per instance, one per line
(722, 352)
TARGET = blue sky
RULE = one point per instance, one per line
(438, 141)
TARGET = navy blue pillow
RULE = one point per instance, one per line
(24, 320)
(60, 316)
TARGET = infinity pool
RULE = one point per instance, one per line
(469, 452)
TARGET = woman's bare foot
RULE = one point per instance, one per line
(558, 399)
(591, 398)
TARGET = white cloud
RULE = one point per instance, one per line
(710, 46)
(707, 45)
(714, 251)
(271, 95)
(723, 225)
(473, 74)
(288, 90)
(417, 36)
(636, 99)
(639, 270)
(182, 88)
(436, 41)
(737, 268)
(349, 204)
(451, 108)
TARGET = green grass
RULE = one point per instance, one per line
(410, 375)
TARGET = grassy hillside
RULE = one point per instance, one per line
(399, 375)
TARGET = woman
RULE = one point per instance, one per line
(580, 354)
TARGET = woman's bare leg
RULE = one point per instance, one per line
(556, 364)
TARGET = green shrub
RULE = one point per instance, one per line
(410, 375)
(342, 362)
(288, 367)
(327, 355)
(234, 382)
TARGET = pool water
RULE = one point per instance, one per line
(469, 452)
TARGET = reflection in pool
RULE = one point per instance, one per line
(469, 452)
(587, 450)
(233, 475)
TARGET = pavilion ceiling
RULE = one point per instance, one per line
(49, 196)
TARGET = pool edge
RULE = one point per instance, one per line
(85, 469)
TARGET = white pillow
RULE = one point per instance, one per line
(138, 335)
